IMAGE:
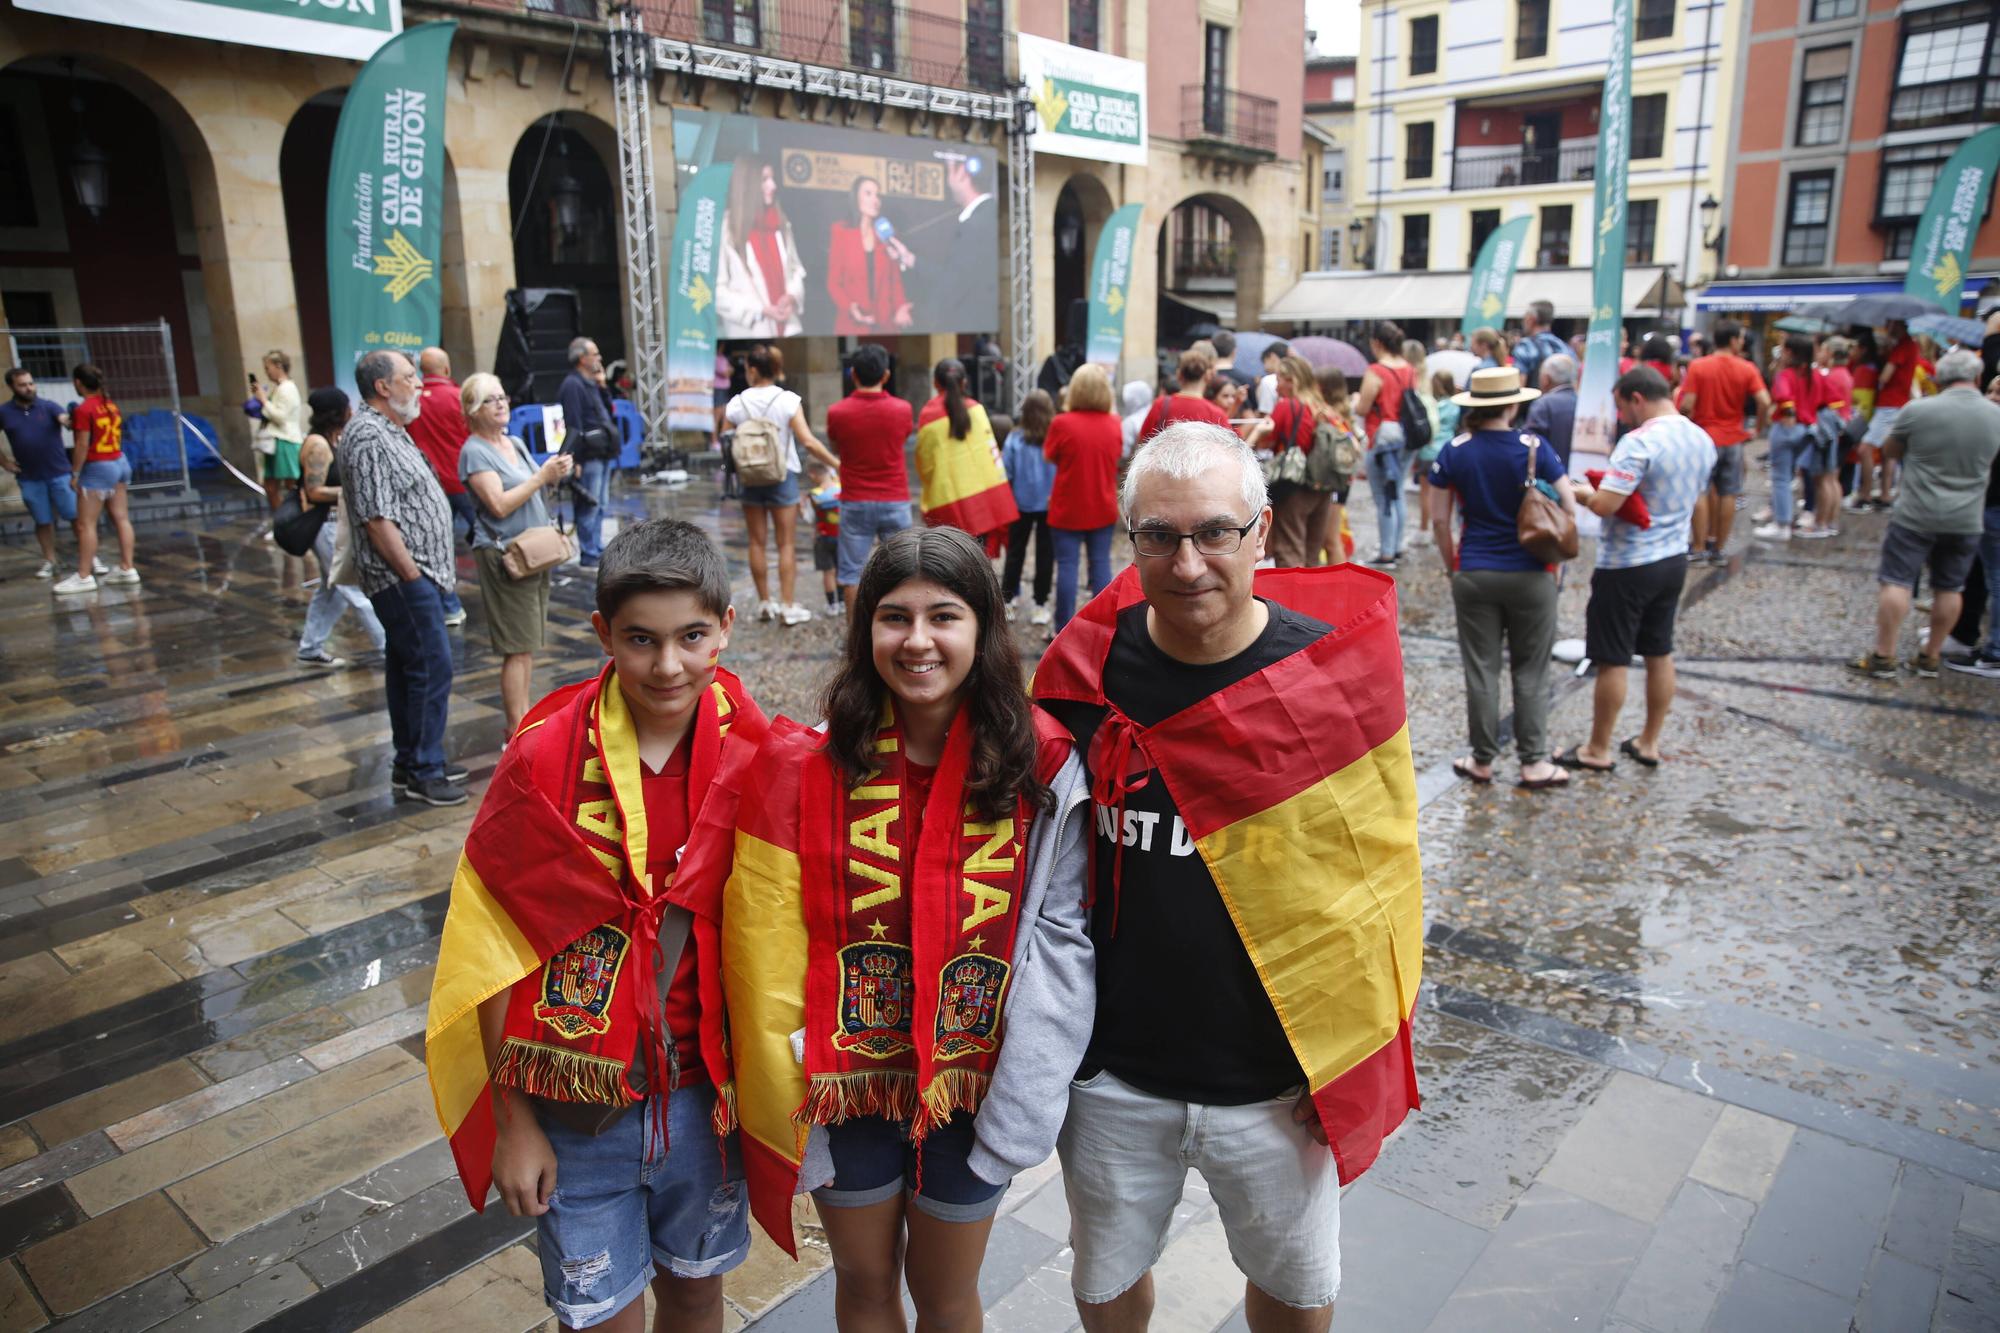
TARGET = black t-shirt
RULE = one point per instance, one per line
(1180, 1010)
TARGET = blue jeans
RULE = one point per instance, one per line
(587, 489)
(1385, 483)
(416, 674)
(49, 499)
(1069, 542)
(873, 1160)
(1989, 556)
(861, 522)
(328, 601)
(464, 522)
(1791, 445)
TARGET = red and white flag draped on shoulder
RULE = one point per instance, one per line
(1297, 787)
(557, 853)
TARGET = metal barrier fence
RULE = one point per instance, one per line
(138, 365)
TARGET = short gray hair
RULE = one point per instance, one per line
(375, 367)
(1184, 451)
(579, 348)
(1958, 367)
(1560, 369)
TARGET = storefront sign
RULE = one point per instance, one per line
(1596, 413)
(385, 200)
(1493, 276)
(1087, 104)
(352, 29)
(1111, 285)
(1942, 250)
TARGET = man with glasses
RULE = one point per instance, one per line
(1256, 903)
(402, 551)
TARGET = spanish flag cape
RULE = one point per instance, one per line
(1297, 788)
(964, 485)
(900, 996)
(557, 852)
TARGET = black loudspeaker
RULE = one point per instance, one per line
(533, 356)
(1076, 328)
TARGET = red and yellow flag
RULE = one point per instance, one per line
(1297, 787)
(964, 485)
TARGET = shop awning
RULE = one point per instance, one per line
(1798, 293)
(1320, 298)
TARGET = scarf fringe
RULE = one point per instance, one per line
(950, 1091)
(724, 1115)
(832, 1098)
(559, 1074)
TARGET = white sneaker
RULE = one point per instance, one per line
(1764, 515)
(122, 575)
(1817, 534)
(1804, 523)
(1853, 504)
(1043, 614)
(75, 583)
(767, 610)
(1014, 607)
(1957, 647)
(98, 566)
(455, 617)
(794, 614)
(1772, 532)
(47, 571)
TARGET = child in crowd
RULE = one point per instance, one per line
(822, 506)
(1032, 477)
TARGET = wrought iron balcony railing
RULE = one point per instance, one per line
(1223, 117)
(873, 36)
(1524, 166)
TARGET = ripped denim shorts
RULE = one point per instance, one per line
(615, 1217)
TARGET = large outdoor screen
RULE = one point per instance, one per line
(837, 231)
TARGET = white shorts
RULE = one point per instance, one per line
(1125, 1158)
(1878, 426)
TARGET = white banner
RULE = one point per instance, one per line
(353, 29)
(1089, 104)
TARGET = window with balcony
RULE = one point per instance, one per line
(1083, 19)
(1949, 70)
(1822, 96)
(1808, 219)
(1424, 45)
(731, 22)
(1822, 10)
(1418, 142)
(871, 34)
(1642, 220)
(1649, 126)
(1485, 221)
(1531, 29)
(1215, 79)
(986, 44)
(1416, 241)
(1653, 19)
(1554, 249)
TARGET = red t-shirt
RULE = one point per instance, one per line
(1797, 393)
(666, 797)
(100, 428)
(1388, 404)
(1723, 384)
(1899, 373)
(1085, 447)
(1291, 423)
(869, 431)
(1178, 407)
(440, 430)
(1836, 391)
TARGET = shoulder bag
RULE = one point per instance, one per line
(1544, 528)
(1293, 465)
(295, 527)
(533, 549)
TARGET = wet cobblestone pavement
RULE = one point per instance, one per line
(1707, 1047)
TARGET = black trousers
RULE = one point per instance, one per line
(1017, 554)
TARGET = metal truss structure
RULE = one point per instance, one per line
(1021, 251)
(644, 283)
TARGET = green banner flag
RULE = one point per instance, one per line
(1943, 246)
(1111, 285)
(1493, 276)
(385, 200)
(1596, 414)
(691, 300)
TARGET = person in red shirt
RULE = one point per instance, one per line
(440, 433)
(99, 474)
(1716, 394)
(1796, 394)
(1299, 513)
(1380, 403)
(1085, 444)
(1895, 383)
(1187, 403)
(870, 430)
(1836, 410)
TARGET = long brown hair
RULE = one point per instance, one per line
(949, 377)
(746, 202)
(1037, 411)
(995, 703)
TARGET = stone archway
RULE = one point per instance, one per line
(562, 196)
(1082, 206)
(1210, 266)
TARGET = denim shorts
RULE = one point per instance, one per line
(874, 1160)
(48, 500)
(616, 1217)
(1727, 478)
(778, 495)
(104, 476)
(861, 522)
(1879, 424)
(1125, 1158)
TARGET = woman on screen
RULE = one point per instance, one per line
(865, 264)
(760, 284)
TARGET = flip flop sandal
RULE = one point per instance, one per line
(1465, 770)
(1628, 748)
(1543, 784)
(1571, 759)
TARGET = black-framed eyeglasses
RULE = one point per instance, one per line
(492, 398)
(1164, 542)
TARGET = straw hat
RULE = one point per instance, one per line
(1495, 386)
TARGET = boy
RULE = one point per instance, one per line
(587, 1087)
(822, 506)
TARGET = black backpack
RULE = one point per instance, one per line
(1414, 415)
